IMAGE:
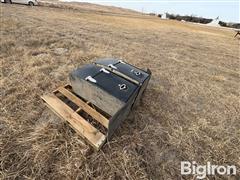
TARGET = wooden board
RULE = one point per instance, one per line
(100, 118)
(79, 123)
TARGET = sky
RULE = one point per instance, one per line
(227, 10)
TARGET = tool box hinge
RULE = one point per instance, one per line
(112, 66)
(104, 70)
(91, 79)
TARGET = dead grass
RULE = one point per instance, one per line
(190, 110)
(87, 7)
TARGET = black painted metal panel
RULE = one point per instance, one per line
(132, 72)
(113, 84)
(124, 68)
(85, 71)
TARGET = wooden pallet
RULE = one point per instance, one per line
(87, 120)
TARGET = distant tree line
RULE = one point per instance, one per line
(198, 20)
(188, 18)
(231, 25)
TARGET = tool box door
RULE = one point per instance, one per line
(124, 68)
(85, 71)
(115, 85)
(132, 72)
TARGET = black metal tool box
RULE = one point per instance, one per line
(104, 88)
(111, 84)
(100, 97)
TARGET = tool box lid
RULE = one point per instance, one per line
(115, 85)
(124, 69)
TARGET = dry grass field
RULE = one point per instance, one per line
(189, 112)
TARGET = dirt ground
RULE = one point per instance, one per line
(190, 111)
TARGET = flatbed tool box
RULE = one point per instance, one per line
(100, 97)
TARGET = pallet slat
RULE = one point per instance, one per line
(96, 115)
(85, 129)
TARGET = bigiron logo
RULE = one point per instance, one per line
(192, 168)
